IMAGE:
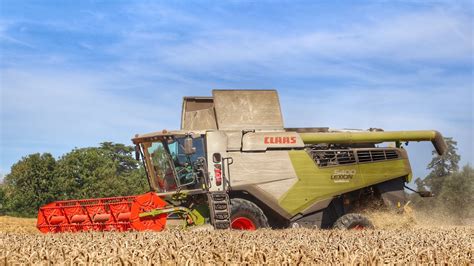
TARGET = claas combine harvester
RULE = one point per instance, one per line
(234, 165)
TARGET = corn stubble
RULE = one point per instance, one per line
(447, 244)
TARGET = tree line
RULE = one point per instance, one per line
(453, 188)
(104, 171)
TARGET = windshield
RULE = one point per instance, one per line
(185, 165)
(162, 172)
(169, 167)
(177, 151)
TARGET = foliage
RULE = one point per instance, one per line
(2, 199)
(108, 170)
(457, 194)
(441, 166)
(31, 183)
(453, 190)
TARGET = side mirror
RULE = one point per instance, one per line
(137, 152)
(216, 157)
(189, 149)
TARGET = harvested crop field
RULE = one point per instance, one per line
(452, 245)
(17, 225)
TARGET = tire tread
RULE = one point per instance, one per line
(238, 205)
(350, 220)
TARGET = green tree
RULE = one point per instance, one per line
(2, 199)
(131, 173)
(122, 155)
(441, 166)
(457, 193)
(85, 173)
(105, 171)
(30, 184)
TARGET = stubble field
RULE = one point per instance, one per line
(394, 241)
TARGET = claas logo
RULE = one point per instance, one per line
(279, 140)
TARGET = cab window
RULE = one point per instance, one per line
(164, 172)
(185, 164)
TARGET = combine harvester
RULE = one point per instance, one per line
(234, 165)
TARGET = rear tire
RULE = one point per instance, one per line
(246, 215)
(353, 221)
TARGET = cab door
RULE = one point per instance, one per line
(216, 146)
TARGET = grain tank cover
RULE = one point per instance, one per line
(247, 109)
(198, 114)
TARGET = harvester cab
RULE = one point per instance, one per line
(178, 160)
(173, 162)
(233, 164)
(177, 164)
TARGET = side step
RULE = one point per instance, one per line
(219, 206)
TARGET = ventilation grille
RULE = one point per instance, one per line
(340, 157)
(376, 155)
(337, 157)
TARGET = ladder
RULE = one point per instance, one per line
(219, 208)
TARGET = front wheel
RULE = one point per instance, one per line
(353, 221)
(245, 215)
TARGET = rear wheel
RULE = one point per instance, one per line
(245, 215)
(354, 221)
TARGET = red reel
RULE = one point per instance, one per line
(145, 203)
(48, 215)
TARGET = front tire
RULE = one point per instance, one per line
(352, 221)
(246, 215)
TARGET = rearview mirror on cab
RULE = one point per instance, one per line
(137, 152)
(216, 157)
(189, 149)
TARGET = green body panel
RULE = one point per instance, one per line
(199, 214)
(315, 184)
(377, 172)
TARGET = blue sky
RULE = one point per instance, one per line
(77, 73)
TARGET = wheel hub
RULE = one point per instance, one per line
(243, 223)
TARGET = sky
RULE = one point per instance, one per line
(78, 73)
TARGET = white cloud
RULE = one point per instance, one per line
(55, 111)
(6, 38)
(76, 98)
(430, 35)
